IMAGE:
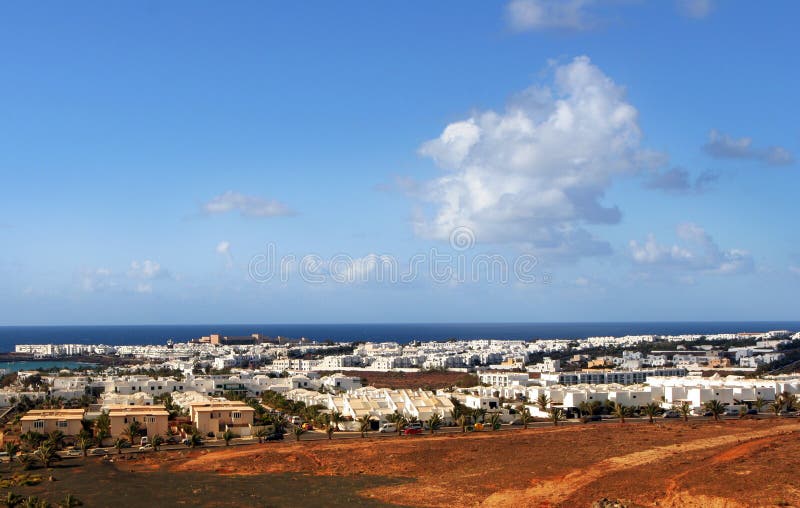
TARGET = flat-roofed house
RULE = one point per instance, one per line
(44, 421)
(217, 416)
(152, 419)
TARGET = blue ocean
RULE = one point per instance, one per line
(403, 333)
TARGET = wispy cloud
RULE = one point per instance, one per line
(724, 146)
(247, 206)
(138, 278)
(548, 14)
(579, 15)
(679, 181)
(697, 9)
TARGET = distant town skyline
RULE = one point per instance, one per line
(518, 161)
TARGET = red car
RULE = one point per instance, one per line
(412, 429)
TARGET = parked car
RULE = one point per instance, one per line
(388, 428)
(308, 426)
(98, 451)
(295, 420)
(172, 440)
(73, 453)
(275, 437)
(146, 447)
(413, 428)
(752, 411)
(671, 414)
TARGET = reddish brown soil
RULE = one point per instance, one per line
(431, 380)
(730, 464)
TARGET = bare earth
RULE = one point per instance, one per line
(668, 464)
(735, 463)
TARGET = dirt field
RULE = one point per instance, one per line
(430, 380)
(729, 464)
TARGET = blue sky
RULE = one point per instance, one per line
(643, 153)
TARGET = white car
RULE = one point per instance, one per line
(146, 447)
(387, 428)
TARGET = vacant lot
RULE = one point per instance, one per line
(430, 380)
(729, 464)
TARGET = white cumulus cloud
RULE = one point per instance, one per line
(537, 172)
(248, 206)
(698, 252)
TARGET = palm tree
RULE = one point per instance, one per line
(434, 422)
(261, 434)
(227, 436)
(11, 499)
(463, 421)
(364, 424)
(556, 415)
(716, 407)
(70, 501)
(46, 454)
(11, 449)
(119, 444)
(335, 419)
(684, 409)
(524, 415)
(26, 461)
(157, 441)
(789, 400)
(495, 421)
(56, 439)
(590, 408)
(543, 401)
(195, 439)
(132, 431)
(35, 502)
(84, 443)
(400, 421)
(298, 431)
(455, 413)
(479, 413)
(32, 439)
(652, 410)
(759, 404)
(102, 427)
(777, 406)
(620, 411)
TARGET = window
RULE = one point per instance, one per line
(38, 424)
(151, 419)
(236, 415)
(62, 424)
